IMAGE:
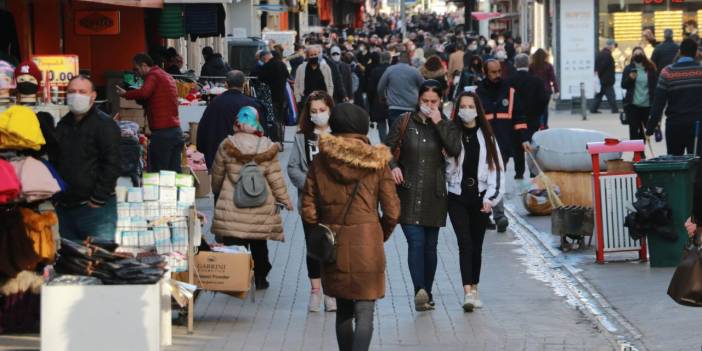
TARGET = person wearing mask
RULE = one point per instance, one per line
(420, 139)
(378, 106)
(399, 86)
(530, 92)
(345, 71)
(345, 184)
(506, 65)
(160, 94)
(505, 115)
(296, 59)
(476, 184)
(275, 74)
(471, 75)
(543, 69)
(217, 121)
(678, 91)
(639, 80)
(312, 75)
(314, 121)
(604, 67)
(88, 160)
(665, 52)
(334, 62)
(214, 65)
(434, 69)
(250, 227)
(363, 57)
(455, 62)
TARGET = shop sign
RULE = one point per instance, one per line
(97, 22)
(59, 69)
(662, 2)
(577, 48)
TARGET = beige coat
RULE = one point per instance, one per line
(261, 223)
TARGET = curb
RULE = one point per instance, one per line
(590, 301)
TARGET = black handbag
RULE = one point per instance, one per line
(321, 243)
(686, 285)
(623, 118)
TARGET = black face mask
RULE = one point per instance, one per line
(313, 60)
(638, 58)
(27, 88)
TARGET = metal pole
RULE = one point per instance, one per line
(583, 101)
(403, 19)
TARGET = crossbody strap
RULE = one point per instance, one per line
(397, 150)
(348, 203)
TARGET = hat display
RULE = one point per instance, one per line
(30, 68)
(7, 74)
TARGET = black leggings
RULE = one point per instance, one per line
(469, 224)
(348, 337)
(314, 267)
(638, 117)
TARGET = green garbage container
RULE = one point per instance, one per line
(676, 175)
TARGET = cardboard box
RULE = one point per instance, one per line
(230, 272)
(203, 185)
(130, 104)
(133, 115)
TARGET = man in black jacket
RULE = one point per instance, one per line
(531, 94)
(217, 121)
(214, 65)
(665, 52)
(88, 160)
(275, 74)
(604, 66)
(378, 106)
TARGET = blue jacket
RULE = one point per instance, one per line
(218, 121)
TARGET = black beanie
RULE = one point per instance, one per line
(348, 118)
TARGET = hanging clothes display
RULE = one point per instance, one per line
(325, 11)
(171, 23)
(204, 20)
(262, 93)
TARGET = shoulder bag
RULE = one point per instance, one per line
(321, 243)
(686, 285)
(397, 150)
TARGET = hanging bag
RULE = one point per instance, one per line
(686, 285)
(321, 243)
(251, 190)
(397, 150)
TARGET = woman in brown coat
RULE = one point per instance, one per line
(357, 278)
(249, 227)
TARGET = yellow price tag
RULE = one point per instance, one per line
(60, 69)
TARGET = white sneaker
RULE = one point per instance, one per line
(478, 303)
(421, 301)
(315, 301)
(329, 304)
(469, 302)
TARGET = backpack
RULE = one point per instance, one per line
(131, 152)
(252, 188)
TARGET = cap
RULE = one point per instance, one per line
(335, 50)
(28, 67)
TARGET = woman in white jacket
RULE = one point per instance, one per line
(476, 182)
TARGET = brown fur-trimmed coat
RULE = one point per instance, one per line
(359, 271)
(261, 223)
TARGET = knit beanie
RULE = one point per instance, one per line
(7, 74)
(247, 120)
(347, 118)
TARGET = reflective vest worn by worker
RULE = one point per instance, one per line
(503, 113)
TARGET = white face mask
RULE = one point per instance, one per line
(320, 119)
(426, 110)
(78, 103)
(467, 115)
(473, 47)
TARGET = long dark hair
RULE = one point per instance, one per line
(538, 60)
(483, 124)
(647, 64)
(304, 124)
(430, 85)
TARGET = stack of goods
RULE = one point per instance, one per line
(28, 224)
(131, 110)
(153, 218)
(92, 260)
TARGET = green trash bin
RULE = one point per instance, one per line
(675, 174)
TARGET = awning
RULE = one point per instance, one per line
(273, 8)
(484, 16)
(132, 3)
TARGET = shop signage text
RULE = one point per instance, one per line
(97, 22)
(59, 68)
(662, 2)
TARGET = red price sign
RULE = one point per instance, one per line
(60, 69)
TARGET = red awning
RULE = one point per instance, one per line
(484, 16)
(132, 3)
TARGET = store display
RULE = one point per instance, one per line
(668, 19)
(19, 129)
(627, 26)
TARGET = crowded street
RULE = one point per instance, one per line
(366, 175)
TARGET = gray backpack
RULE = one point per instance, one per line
(252, 188)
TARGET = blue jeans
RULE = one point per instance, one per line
(78, 223)
(165, 149)
(394, 115)
(421, 254)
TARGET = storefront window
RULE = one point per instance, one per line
(629, 21)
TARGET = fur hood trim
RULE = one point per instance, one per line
(432, 74)
(268, 155)
(354, 151)
(24, 281)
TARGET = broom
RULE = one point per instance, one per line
(550, 186)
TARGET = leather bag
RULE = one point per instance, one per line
(321, 243)
(397, 150)
(686, 285)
